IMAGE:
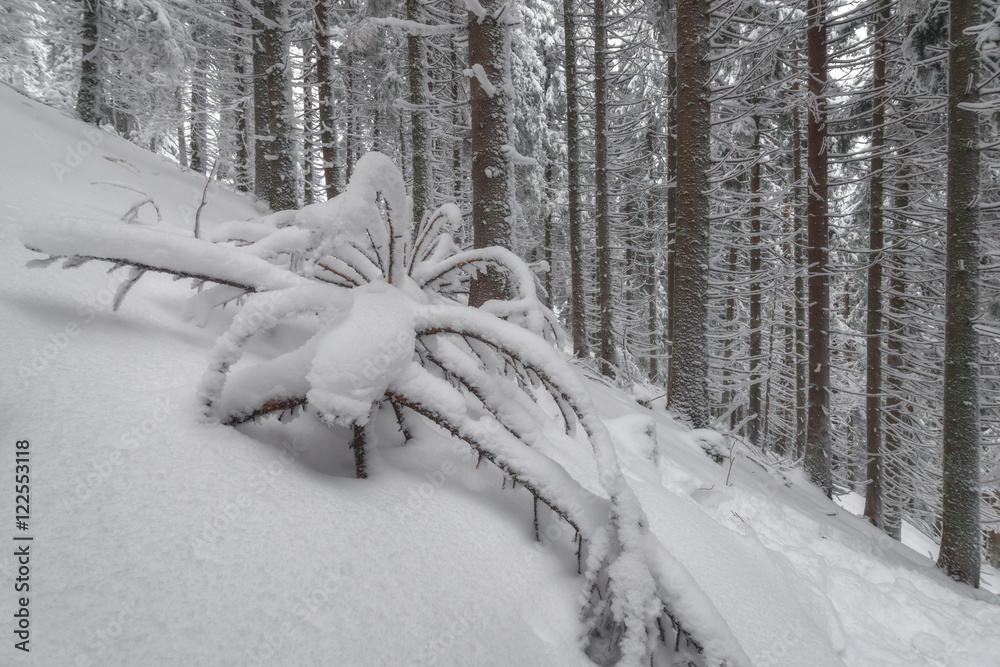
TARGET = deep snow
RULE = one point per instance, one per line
(160, 540)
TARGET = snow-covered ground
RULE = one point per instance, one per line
(160, 540)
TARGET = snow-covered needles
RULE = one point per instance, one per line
(390, 336)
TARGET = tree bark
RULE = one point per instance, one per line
(282, 192)
(756, 305)
(241, 161)
(325, 101)
(671, 273)
(960, 534)
(420, 130)
(798, 226)
(199, 111)
(818, 438)
(688, 385)
(602, 212)
(578, 308)
(90, 95)
(875, 489)
(492, 178)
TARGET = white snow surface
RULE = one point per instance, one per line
(162, 540)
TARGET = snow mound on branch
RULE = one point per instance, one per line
(155, 250)
(360, 354)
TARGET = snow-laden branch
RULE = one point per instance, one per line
(476, 9)
(479, 73)
(155, 250)
(416, 28)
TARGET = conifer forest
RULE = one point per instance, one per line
(780, 221)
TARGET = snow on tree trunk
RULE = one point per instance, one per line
(875, 488)
(274, 164)
(325, 79)
(602, 212)
(492, 178)
(688, 384)
(199, 109)
(817, 459)
(960, 534)
(801, 371)
(756, 305)
(241, 159)
(89, 97)
(420, 130)
(578, 308)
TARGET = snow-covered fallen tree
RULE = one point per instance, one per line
(393, 338)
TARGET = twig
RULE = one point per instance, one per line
(204, 194)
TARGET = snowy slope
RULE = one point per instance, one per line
(160, 540)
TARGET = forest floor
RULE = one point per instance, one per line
(161, 540)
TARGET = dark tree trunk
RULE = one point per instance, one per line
(182, 150)
(875, 489)
(756, 320)
(282, 190)
(671, 274)
(818, 463)
(350, 135)
(90, 96)
(199, 111)
(420, 130)
(261, 106)
(602, 213)
(895, 407)
(578, 308)
(689, 359)
(492, 180)
(652, 324)
(960, 534)
(325, 102)
(308, 138)
(801, 365)
(241, 161)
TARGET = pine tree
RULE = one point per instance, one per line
(492, 178)
(960, 534)
(688, 379)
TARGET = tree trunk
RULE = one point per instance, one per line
(90, 96)
(689, 359)
(671, 274)
(602, 213)
(894, 403)
(960, 535)
(801, 364)
(199, 111)
(261, 106)
(282, 192)
(420, 126)
(652, 323)
(578, 308)
(324, 77)
(182, 151)
(874, 489)
(308, 134)
(756, 321)
(492, 178)
(818, 438)
(241, 161)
